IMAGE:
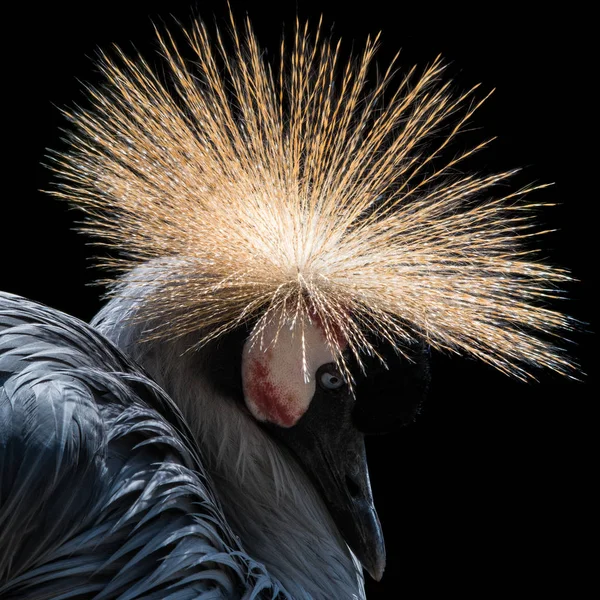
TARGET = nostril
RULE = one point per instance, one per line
(352, 486)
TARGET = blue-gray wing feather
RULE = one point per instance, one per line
(102, 490)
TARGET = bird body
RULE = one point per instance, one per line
(77, 408)
(276, 233)
(103, 492)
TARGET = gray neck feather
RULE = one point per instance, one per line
(267, 499)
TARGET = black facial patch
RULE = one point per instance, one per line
(389, 398)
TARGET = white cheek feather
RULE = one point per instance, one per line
(276, 388)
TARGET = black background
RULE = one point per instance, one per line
(486, 492)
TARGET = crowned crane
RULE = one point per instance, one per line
(277, 236)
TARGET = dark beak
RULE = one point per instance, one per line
(332, 452)
(346, 488)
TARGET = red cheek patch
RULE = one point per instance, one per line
(270, 402)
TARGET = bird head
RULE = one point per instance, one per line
(294, 387)
(318, 212)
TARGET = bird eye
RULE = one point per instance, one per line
(331, 380)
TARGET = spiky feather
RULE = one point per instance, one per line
(310, 193)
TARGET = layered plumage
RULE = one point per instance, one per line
(102, 491)
(310, 191)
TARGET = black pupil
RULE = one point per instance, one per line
(332, 381)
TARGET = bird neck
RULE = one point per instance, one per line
(267, 499)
